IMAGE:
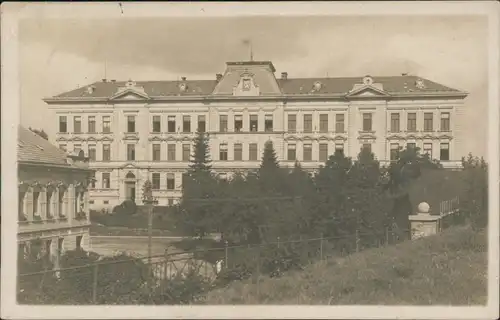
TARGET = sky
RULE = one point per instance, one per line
(58, 55)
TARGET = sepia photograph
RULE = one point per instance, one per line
(207, 158)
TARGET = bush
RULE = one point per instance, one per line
(127, 207)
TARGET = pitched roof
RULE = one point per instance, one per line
(33, 148)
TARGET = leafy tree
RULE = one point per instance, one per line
(40, 132)
(474, 201)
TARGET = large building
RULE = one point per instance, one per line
(53, 212)
(133, 131)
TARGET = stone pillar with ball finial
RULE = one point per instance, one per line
(423, 224)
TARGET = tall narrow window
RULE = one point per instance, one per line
(254, 123)
(428, 149)
(130, 123)
(412, 122)
(77, 148)
(63, 124)
(223, 123)
(367, 122)
(171, 124)
(92, 180)
(186, 152)
(201, 123)
(92, 153)
(238, 123)
(155, 181)
(106, 124)
(308, 123)
(171, 152)
(268, 124)
(186, 124)
(156, 152)
(106, 152)
(323, 152)
(170, 181)
(238, 152)
(339, 123)
(428, 121)
(445, 121)
(394, 151)
(291, 154)
(444, 152)
(130, 152)
(36, 196)
(91, 124)
(339, 147)
(323, 123)
(106, 180)
(48, 203)
(77, 124)
(394, 122)
(307, 152)
(156, 124)
(223, 152)
(252, 152)
(292, 123)
(411, 145)
(367, 146)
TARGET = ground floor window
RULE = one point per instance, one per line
(79, 242)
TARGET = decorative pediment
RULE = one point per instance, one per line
(338, 137)
(61, 139)
(308, 138)
(77, 139)
(155, 138)
(171, 138)
(246, 86)
(108, 139)
(131, 91)
(411, 137)
(367, 137)
(445, 137)
(367, 91)
(91, 139)
(129, 166)
(186, 138)
(395, 137)
(428, 137)
(129, 137)
(292, 138)
(323, 138)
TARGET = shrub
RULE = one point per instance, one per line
(127, 207)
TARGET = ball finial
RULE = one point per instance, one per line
(423, 208)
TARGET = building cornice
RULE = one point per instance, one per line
(31, 164)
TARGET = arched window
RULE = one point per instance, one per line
(81, 154)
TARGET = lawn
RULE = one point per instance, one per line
(101, 230)
(445, 269)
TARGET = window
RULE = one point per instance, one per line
(156, 124)
(78, 242)
(339, 123)
(238, 152)
(92, 180)
(156, 152)
(412, 122)
(339, 147)
(91, 124)
(171, 124)
(428, 121)
(106, 152)
(186, 124)
(91, 201)
(428, 149)
(323, 152)
(394, 122)
(367, 122)
(186, 152)
(63, 124)
(292, 122)
(252, 152)
(77, 124)
(170, 202)
(394, 151)
(201, 124)
(444, 152)
(155, 181)
(105, 202)
(130, 152)
(254, 122)
(291, 155)
(77, 148)
(48, 203)
(106, 124)
(36, 195)
(223, 123)
(63, 147)
(411, 145)
(268, 123)
(308, 123)
(170, 181)
(130, 123)
(106, 180)
(223, 152)
(445, 121)
(238, 123)
(307, 152)
(367, 146)
(92, 153)
(171, 152)
(60, 202)
(323, 123)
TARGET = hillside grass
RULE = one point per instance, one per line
(446, 269)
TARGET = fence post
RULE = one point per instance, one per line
(357, 240)
(278, 242)
(386, 235)
(226, 262)
(321, 247)
(94, 284)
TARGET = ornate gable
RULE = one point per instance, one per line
(246, 85)
(131, 91)
(368, 89)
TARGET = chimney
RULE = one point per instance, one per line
(183, 78)
(284, 75)
(404, 74)
(218, 77)
(113, 80)
(104, 80)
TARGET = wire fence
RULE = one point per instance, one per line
(114, 282)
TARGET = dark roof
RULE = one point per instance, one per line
(33, 148)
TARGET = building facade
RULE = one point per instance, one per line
(53, 211)
(133, 131)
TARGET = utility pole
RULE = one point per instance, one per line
(149, 201)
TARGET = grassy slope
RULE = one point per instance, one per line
(450, 268)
